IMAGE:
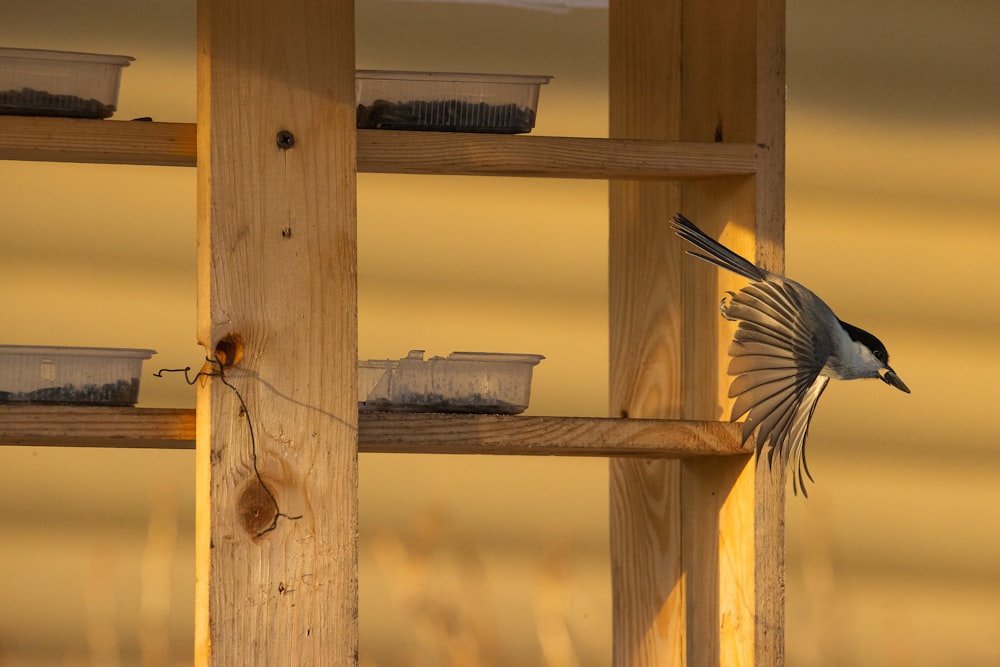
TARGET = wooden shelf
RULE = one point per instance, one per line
(423, 433)
(540, 156)
(544, 436)
(696, 538)
(99, 141)
(73, 426)
(380, 151)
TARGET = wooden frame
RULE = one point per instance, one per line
(277, 476)
(697, 546)
(697, 124)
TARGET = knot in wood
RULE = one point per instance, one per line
(229, 350)
(256, 509)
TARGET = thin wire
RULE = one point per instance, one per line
(219, 372)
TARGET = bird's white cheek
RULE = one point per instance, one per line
(860, 363)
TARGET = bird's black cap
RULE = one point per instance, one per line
(868, 340)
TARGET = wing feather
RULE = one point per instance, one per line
(759, 378)
(741, 348)
(755, 333)
(800, 429)
(777, 408)
(777, 355)
(775, 305)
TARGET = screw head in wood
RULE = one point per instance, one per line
(285, 139)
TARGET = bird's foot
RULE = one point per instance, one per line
(724, 305)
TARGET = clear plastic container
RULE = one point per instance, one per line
(479, 382)
(37, 82)
(447, 101)
(70, 375)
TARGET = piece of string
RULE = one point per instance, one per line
(219, 372)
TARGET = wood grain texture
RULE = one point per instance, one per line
(689, 587)
(769, 517)
(721, 46)
(400, 433)
(97, 141)
(276, 458)
(540, 156)
(646, 325)
(719, 512)
(93, 426)
(544, 436)
(382, 151)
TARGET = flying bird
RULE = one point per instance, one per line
(787, 346)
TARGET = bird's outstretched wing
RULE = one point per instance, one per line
(777, 355)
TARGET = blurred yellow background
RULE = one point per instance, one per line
(893, 207)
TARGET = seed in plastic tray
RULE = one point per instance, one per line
(445, 116)
(31, 102)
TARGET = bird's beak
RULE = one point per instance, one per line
(889, 377)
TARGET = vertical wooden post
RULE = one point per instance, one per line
(648, 597)
(277, 519)
(769, 517)
(698, 545)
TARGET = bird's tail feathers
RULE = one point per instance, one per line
(718, 254)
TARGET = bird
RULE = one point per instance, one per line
(786, 348)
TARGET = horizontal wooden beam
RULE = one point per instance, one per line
(413, 433)
(83, 426)
(544, 436)
(97, 141)
(397, 152)
(384, 151)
